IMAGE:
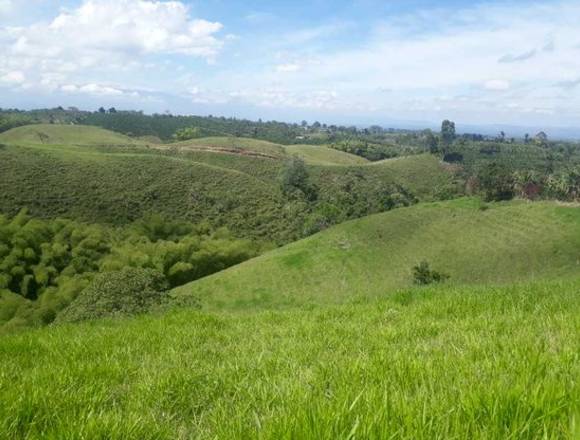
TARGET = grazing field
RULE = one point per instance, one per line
(319, 155)
(438, 362)
(472, 243)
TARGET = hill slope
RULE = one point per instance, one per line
(89, 174)
(319, 155)
(457, 363)
(65, 135)
(372, 256)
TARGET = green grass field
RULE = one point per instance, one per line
(501, 243)
(443, 362)
(319, 155)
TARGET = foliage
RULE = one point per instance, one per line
(294, 177)
(12, 120)
(448, 132)
(184, 134)
(423, 274)
(497, 182)
(126, 292)
(45, 264)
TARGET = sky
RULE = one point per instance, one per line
(390, 62)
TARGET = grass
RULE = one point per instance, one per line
(441, 362)
(233, 144)
(319, 155)
(65, 135)
(504, 243)
(84, 175)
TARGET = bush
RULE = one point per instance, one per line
(424, 275)
(294, 178)
(126, 292)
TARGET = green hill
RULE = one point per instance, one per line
(429, 363)
(89, 174)
(507, 242)
(319, 155)
(234, 145)
(65, 135)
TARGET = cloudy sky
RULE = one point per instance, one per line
(374, 61)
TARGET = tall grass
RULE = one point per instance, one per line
(448, 363)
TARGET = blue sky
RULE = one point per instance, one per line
(362, 61)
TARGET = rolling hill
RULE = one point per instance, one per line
(65, 135)
(90, 174)
(319, 155)
(370, 257)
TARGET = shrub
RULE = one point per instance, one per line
(294, 178)
(127, 292)
(424, 275)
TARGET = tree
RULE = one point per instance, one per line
(102, 110)
(497, 182)
(424, 275)
(431, 142)
(294, 177)
(541, 139)
(448, 132)
(527, 139)
(112, 110)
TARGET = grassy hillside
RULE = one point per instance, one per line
(504, 243)
(233, 145)
(319, 155)
(453, 363)
(89, 174)
(120, 187)
(65, 135)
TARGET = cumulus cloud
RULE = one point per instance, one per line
(103, 37)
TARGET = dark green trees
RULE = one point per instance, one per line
(294, 178)
(448, 132)
(424, 275)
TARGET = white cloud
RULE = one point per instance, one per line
(95, 90)
(16, 77)
(103, 40)
(497, 85)
(284, 68)
(135, 26)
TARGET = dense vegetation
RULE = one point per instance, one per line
(436, 362)
(45, 264)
